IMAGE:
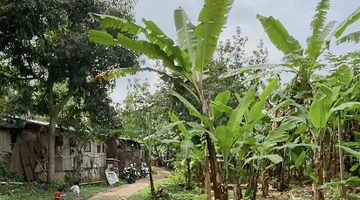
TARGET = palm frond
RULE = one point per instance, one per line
(212, 19)
(116, 73)
(314, 44)
(353, 17)
(351, 37)
(159, 45)
(326, 35)
(157, 36)
(320, 16)
(108, 21)
(279, 36)
(185, 32)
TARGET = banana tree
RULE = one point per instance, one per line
(299, 61)
(347, 85)
(228, 136)
(302, 62)
(147, 141)
(187, 148)
(326, 102)
(264, 152)
(196, 45)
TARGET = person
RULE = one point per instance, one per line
(76, 190)
(58, 193)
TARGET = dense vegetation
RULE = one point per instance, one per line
(226, 121)
(273, 130)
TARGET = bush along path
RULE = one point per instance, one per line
(126, 190)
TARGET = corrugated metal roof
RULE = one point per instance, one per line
(10, 123)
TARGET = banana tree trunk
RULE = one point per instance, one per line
(265, 185)
(237, 190)
(213, 166)
(226, 175)
(253, 185)
(318, 168)
(151, 178)
(188, 173)
(207, 178)
(329, 163)
(341, 159)
(212, 155)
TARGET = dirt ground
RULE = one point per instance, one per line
(126, 190)
(298, 192)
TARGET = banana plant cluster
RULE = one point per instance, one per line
(192, 54)
(304, 63)
(319, 100)
(236, 138)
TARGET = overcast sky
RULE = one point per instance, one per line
(295, 15)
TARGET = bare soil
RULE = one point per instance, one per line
(126, 190)
(298, 192)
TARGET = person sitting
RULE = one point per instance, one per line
(58, 193)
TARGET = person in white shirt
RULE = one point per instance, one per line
(76, 190)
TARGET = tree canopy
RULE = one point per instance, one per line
(46, 54)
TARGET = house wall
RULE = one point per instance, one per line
(128, 153)
(94, 160)
(93, 164)
(35, 137)
(63, 159)
(5, 140)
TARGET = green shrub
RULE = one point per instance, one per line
(177, 176)
(5, 172)
(56, 183)
(73, 176)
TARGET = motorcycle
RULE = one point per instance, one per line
(144, 170)
(130, 174)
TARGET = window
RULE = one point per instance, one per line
(103, 149)
(72, 150)
(58, 150)
(73, 162)
(59, 141)
(98, 148)
(88, 146)
(72, 142)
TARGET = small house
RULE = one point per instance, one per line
(26, 141)
(123, 152)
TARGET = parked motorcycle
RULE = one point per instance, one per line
(130, 174)
(144, 170)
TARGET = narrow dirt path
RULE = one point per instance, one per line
(126, 190)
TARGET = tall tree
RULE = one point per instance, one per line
(44, 44)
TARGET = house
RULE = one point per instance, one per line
(5, 138)
(26, 141)
(87, 157)
(123, 152)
